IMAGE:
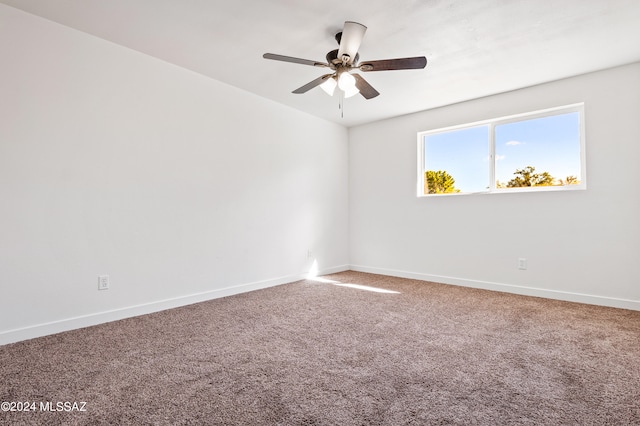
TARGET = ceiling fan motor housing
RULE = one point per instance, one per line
(332, 58)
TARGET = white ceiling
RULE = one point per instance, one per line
(474, 48)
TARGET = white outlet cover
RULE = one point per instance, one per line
(103, 282)
(522, 263)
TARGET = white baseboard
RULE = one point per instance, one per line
(507, 288)
(39, 330)
(333, 270)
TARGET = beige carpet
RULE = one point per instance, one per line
(326, 353)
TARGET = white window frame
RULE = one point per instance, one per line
(492, 123)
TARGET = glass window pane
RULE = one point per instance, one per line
(461, 155)
(539, 152)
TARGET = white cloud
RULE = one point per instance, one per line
(514, 143)
(500, 157)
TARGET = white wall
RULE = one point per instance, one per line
(178, 187)
(580, 245)
(181, 188)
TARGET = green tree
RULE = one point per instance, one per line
(570, 180)
(439, 182)
(528, 177)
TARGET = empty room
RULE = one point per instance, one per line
(319, 213)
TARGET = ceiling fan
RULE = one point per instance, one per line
(344, 60)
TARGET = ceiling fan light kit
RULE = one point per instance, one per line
(351, 91)
(344, 60)
(346, 81)
(329, 86)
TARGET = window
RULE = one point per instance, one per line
(538, 151)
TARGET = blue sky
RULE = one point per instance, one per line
(550, 144)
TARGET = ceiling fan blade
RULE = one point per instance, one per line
(294, 60)
(414, 63)
(366, 90)
(352, 35)
(310, 85)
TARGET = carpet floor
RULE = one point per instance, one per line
(348, 349)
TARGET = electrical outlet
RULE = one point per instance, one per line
(103, 282)
(522, 263)
(309, 254)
